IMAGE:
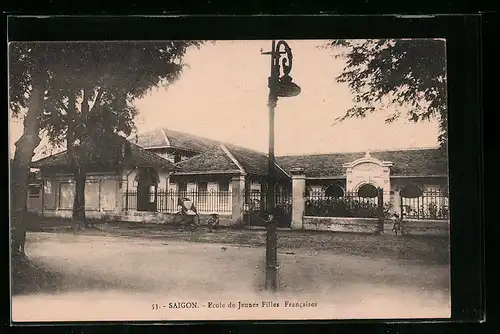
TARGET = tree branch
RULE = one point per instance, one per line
(97, 100)
(85, 103)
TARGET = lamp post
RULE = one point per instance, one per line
(280, 85)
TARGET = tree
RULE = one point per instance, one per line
(102, 78)
(407, 73)
(91, 94)
(28, 76)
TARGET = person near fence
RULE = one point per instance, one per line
(187, 206)
(213, 221)
(397, 224)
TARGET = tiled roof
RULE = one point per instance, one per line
(213, 160)
(220, 157)
(54, 160)
(164, 137)
(135, 156)
(218, 160)
(149, 139)
(253, 162)
(413, 162)
(142, 158)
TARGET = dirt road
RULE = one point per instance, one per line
(116, 278)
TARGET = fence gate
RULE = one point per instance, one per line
(256, 205)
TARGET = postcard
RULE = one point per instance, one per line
(229, 180)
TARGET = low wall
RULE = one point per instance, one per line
(134, 216)
(164, 218)
(335, 224)
(370, 225)
(67, 214)
(426, 227)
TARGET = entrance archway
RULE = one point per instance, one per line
(147, 189)
(367, 190)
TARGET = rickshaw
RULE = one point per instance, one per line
(187, 216)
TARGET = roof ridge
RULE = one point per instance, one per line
(246, 148)
(362, 152)
(190, 134)
(49, 156)
(232, 157)
(282, 169)
(217, 141)
(167, 141)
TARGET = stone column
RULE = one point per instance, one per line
(163, 181)
(119, 194)
(298, 197)
(238, 198)
(396, 202)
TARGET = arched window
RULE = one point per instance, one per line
(367, 191)
(334, 190)
(411, 191)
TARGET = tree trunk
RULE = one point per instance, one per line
(20, 168)
(79, 203)
(78, 218)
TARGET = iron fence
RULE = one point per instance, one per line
(256, 200)
(350, 205)
(256, 207)
(432, 204)
(129, 202)
(167, 201)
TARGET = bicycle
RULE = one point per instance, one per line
(182, 220)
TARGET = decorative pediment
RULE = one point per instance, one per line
(369, 170)
(368, 160)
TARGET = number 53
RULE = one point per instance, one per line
(155, 306)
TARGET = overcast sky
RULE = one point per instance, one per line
(223, 95)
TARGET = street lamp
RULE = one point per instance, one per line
(280, 85)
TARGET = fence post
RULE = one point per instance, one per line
(298, 197)
(238, 198)
(401, 206)
(380, 209)
(126, 200)
(262, 199)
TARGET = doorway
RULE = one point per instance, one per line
(147, 190)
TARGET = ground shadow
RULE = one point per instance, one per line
(30, 277)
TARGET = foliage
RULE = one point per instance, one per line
(343, 207)
(407, 73)
(104, 78)
(431, 210)
(88, 91)
(25, 61)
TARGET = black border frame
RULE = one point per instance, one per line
(463, 35)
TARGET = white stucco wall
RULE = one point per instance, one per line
(102, 194)
(129, 176)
